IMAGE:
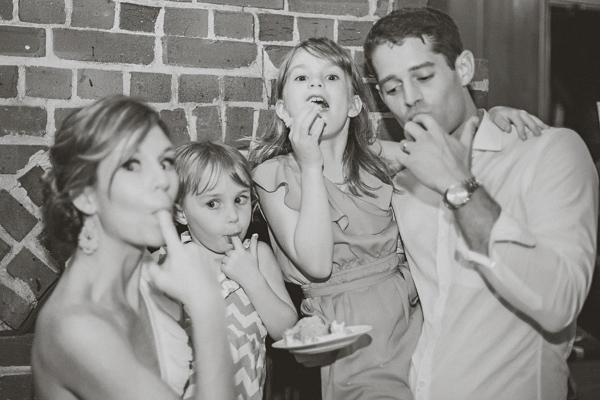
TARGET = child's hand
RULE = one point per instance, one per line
(241, 264)
(180, 276)
(504, 117)
(305, 133)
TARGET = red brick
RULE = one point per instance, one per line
(9, 76)
(14, 157)
(409, 3)
(60, 114)
(357, 8)
(14, 218)
(13, 311)
(208, 123)
(15, 350)
(359, 59)
(274, 4)
(178, 125)
(315, 28)
(4, 250)
(108, 47)
(138, 18)
(31, 270)
(48, 83)
(6, 10)
(22, 42)
(389, 129)
(265, 118)
(239, 88)
(239, 126)
(234, 25)
(32, 183)
(479, 85)
(275, 28)
(22, 120)
(276, 54)
(186, 22)
(353, 33)
(201, 53)
(382, 7)
(42, 12)
(198, 89)
(154, 88)
(16, 387)
(95, 84)
(93, 14)
(272, 97)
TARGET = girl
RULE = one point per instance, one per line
(327, 198)
(109, 194)
(214, 202)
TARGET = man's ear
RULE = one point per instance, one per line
(465, 67)
(355, 106)
(180, 215)
(282, 113)
(86, 201)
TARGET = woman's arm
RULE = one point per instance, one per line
(257, 271)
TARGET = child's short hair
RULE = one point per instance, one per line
(200, 166)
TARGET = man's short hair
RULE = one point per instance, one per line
(424, 23)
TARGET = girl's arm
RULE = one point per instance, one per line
(257, 271)
(305, 236)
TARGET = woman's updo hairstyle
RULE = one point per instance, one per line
(84, 139)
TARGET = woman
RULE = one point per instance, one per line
(107, 332)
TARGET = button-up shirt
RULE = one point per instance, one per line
(505, 336)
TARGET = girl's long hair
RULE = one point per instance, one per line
(357, 155)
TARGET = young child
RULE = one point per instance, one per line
(326, 195)
(215, 203)
(327, 199)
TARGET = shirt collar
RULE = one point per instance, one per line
(488, 136)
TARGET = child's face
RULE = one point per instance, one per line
(318, 80)
(216, 215)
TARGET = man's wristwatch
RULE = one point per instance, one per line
(458, 195)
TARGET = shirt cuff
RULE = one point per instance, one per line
(505, 230)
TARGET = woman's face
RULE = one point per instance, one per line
(142, 185)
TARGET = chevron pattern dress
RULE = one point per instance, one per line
(247, 335)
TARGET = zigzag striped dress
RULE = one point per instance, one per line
(246, 342)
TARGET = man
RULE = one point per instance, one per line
(500, 233)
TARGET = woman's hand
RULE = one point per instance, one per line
(180, 276)
(305, 133)
(504, 117)
(241, 263)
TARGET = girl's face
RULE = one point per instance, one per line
(141, 186)
(318, 80)
(216, 215)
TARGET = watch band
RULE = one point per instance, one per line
(468, 186)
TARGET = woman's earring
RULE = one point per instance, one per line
(87, 240)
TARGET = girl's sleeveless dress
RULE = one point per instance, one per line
(247, 335)
(370, 285)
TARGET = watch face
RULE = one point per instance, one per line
(457, 195)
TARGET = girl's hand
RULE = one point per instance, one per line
(241, 264)
(305, 133)
(180, 276)
(503, 117)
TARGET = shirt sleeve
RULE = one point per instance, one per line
(542, 264)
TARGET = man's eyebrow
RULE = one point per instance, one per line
(411, 69)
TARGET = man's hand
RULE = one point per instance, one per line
(437, 159)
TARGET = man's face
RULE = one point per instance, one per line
(414, 80)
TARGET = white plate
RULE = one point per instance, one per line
(326, 343)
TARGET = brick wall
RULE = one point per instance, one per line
(208, 67)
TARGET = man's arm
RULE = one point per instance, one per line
(540, 263)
